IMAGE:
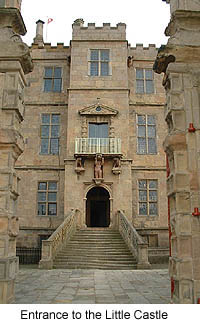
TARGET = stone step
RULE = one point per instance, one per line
(95, 249)
(120, 258)
(94, 265)
(94, 254)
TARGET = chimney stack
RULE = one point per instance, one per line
(39, 33)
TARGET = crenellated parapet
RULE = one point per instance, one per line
(141, 52)
(93, 32)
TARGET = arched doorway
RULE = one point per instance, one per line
(97, 207)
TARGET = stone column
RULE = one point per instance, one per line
(15, 62)
(179, 61)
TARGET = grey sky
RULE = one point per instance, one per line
(146, 19)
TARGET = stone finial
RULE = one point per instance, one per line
(39, 32)
(79, 22)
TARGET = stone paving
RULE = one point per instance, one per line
(34, 286)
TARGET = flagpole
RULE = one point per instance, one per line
(49, 20)
(46, 31)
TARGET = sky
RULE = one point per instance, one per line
(146, 20)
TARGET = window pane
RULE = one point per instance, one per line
(103, 130)
(47, 85)
(44, 146)
(153, 209)
(141, 119)
(152, 195)
(42, 186)
(54, 146)
(151, 131)
(142, 146)
(151, 120)
(92, 130)
(55, 131)
(48, 72)
(152, 146)
(41, 196)
(57, 72)
(104, 56)
(140, 87)
(153, 184)
(45, 131)
(143, 209)
(139, 74)
(52, 209)
(104, 69)
(148, 74)
(55, 119)
(52, 185)
(94, 69)
(149, 86)
(142, 195)
(41, 209)
(142, 184)
(57, 84)
(94, 55)
(52, 197)
(45, 118)
(141, 131)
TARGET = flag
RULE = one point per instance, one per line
(50, 20)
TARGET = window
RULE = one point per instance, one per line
(47, 198)
(146, 134)
(53, 79)
(50, 128)
(99, 63)
(98, 130)
(144, 81)
(148, 197)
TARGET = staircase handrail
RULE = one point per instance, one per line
(58, 239)
(134, 241)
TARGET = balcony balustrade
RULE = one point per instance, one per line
(108, 146)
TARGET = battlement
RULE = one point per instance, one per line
(96, 33)
(48, 46)
(141, 52)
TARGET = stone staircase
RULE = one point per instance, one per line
(95, 249)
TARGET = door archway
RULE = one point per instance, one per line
(97, 207)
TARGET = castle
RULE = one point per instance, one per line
(92, 118)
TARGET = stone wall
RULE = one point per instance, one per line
(179, 61)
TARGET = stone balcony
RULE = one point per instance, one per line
(93, 146)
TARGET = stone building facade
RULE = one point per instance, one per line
(179, 60)
(83, 130)
(97, 96)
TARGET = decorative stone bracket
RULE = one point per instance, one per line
(79, 165)
(116, 169)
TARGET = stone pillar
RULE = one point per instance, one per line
(11, 4)
(179, 61)
(15, 62)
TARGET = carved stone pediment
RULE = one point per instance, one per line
(98, 109)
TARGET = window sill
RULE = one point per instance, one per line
(147, 154)
(48, 154)
(40, 216)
